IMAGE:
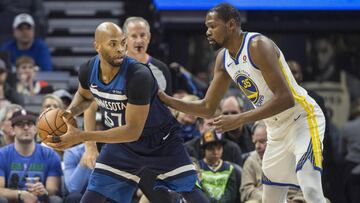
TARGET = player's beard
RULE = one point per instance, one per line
(216, 46)
(111, 60)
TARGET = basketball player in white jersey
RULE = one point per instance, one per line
(295, 123)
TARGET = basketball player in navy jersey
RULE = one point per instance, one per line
(141, 132)
(295, 123)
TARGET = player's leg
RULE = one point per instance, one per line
(195, 196)
(91, 196)
(274, 194)
(102, 187)
(310, 183)
(308, 153)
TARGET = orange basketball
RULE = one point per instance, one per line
(51, 123)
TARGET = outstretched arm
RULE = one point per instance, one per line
(265, 56)
(207, 106)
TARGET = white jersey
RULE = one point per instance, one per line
(250, 80)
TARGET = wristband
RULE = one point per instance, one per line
(19, 195)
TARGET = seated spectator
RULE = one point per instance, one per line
(231, 152)
(25, 43)
(189, 127)
(51, 101)
(35, 8)
(350, 149)
(241, 135)
(6, 91)
(251, 183)
(219, 179)
(65, 96)
(25, 74)
(29, 172)
(6, 130)
(76, 173)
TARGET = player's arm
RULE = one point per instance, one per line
(83, 97)
(207, 106)
(139, 87)
(91, 151)
(265, 56)
(81, 101)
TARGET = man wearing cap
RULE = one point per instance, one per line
(7, 93)
(25, 43)
(220, 179)
(29, 172)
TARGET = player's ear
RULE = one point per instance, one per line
(231, 24)
(96, 46)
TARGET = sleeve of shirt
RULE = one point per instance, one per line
(139, 85)
(84, 72)
(44, 60)
(54, 164)
(76, 176)
(2, 163)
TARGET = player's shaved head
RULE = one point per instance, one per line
(106, 31)
(110, 43)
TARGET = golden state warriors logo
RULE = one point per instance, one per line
(248, 87)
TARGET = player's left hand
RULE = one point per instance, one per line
(70, 138)
(225, 123)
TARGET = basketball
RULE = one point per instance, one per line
(51, 123)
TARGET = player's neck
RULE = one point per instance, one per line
(141, 57)
(25, 149)
(235, 43)
(107, 71)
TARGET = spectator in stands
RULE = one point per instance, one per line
(189, 124)
(51, 101)
(6, 130)
(25, 43)
(220, 179)
(65, 96)
(10, 8)
(138, 34)
(350, 149)
(231, 151)
(6, 91)
(251, 183)
(29, 172)
(242, 135)
(25, 74)
(76, 173)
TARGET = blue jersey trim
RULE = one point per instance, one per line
(242, 46)
(224, 59)
(280, 184)
(248, 51)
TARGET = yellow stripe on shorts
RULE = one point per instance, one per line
(311, 118)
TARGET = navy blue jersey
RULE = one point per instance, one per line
(159, 147)
(134, 83)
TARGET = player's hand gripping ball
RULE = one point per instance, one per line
(51, 123)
